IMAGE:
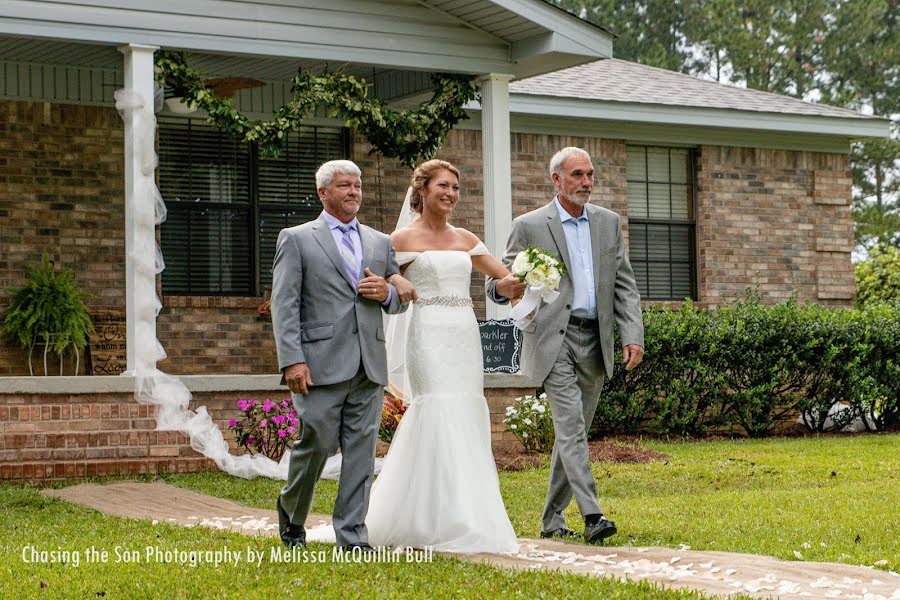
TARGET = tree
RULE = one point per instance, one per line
(862, 58)
(841, 52)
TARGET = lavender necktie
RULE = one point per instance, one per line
(348, 254)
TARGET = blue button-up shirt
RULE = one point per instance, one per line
(581, 263)
(338, 235)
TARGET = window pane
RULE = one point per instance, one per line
(204, 178)
(658, 164)
(681, 165)
(637, 243)
(209, 250)
(199, 163)
(680, 202)
(291, 177)
(659, 201)
(661, 252)
(635, 163)
(637, 199)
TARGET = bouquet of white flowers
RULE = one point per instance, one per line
(542, 271)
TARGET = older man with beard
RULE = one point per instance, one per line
(569, 344)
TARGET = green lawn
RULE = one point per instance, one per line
(30, 520)
(828, 498)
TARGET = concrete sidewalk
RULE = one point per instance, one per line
(718, 573)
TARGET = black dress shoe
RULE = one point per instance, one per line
(291, 535)
(365, 548)
(561, 534)
(597, 528)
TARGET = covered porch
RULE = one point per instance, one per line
(62, 58)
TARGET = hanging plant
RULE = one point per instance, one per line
(406, 135)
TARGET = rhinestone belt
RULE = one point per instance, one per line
(445, 301)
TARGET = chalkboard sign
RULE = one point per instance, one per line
(107, 353)
(501, 342)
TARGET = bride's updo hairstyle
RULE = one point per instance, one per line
(421, 178)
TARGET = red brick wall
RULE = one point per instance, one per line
(45, 437)
(782, 214)
(776, 216)
(61, 192)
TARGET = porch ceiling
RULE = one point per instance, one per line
(271, 39)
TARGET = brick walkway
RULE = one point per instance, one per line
(719, 573)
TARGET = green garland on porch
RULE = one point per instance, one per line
(404, 135)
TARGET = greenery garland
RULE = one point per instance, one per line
(404, 135)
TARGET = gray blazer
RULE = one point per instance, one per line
(317, 316)
(616, 292)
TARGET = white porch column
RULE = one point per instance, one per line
(495, 147)
(140, 229)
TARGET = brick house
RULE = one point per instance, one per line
(720, 186)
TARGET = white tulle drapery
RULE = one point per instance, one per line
(397, 326)
(152, 386)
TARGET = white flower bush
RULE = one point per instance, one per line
(530, 420)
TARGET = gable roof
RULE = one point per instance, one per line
(615, 80)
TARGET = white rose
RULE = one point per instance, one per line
(543, 396)
(521, 265)
(553, 278)
(513, 426)
(535, 278)
(541, 408)
(527, 421)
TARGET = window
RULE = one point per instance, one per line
(226, 203)
(661, 221)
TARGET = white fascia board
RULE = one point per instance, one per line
(868, 127)
(581, 32)
(437, 60)
(552, 42)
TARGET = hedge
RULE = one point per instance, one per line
(755, 367)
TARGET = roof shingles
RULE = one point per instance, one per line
(615, 80)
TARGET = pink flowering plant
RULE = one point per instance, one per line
(268, 427)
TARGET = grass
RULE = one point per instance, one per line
(828, 498)
(31, 520)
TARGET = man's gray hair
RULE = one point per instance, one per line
(556, 163)
(327, 171)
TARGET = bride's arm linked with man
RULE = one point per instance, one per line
(334, 279)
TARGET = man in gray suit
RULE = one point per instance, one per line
(569, 345)
(329, 288)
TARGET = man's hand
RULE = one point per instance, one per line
(510, 287)
(405, 289)
(298, 379)
(373, 287)
(632, 355)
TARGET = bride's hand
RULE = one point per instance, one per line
(405, 289)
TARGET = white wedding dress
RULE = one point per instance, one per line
(438, 485)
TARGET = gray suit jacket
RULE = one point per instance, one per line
(616, 291)
(317, 316)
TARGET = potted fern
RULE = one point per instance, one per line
(50, 312)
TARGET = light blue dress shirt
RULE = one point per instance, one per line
(581, 267)
(338, 236)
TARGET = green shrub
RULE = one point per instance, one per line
(758, 366)
(878, 277)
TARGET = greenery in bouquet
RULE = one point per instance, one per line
(530, 419)
(392, 410)
(538, 267)
(268, 427)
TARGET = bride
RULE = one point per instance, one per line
(438, 485)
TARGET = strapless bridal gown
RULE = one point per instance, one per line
(438, 485)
